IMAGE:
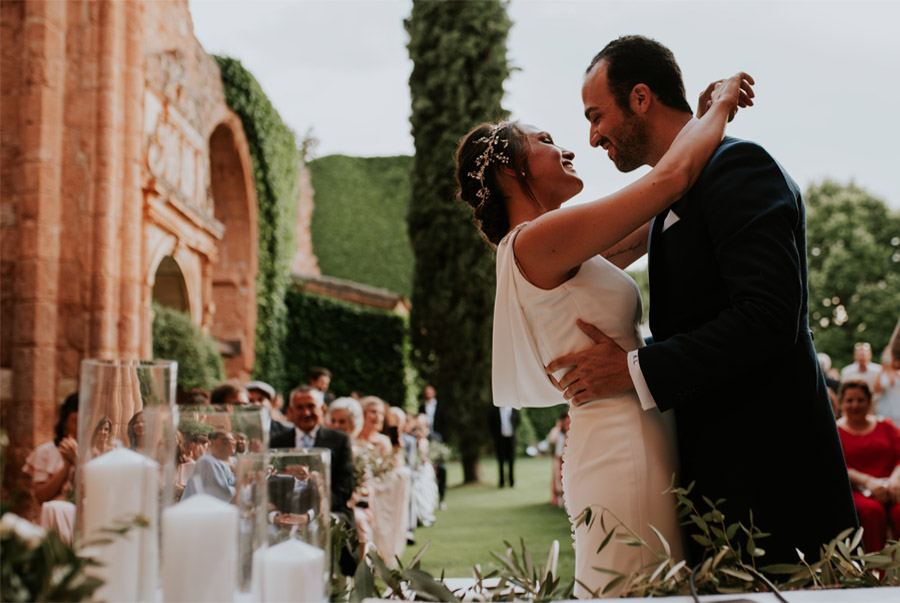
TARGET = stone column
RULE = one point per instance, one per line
(108, 200)
(131, 314)
(31, 415)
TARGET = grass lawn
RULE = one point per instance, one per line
(480, 517)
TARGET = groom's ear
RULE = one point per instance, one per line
(641, 99)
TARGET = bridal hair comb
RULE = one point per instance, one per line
(494, 152)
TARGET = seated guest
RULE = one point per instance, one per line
(184, 462)
(135, 430)
(262, 394)
(212, 473)
(345, 414)
(198, 445)
(51, 467)
(102, 440)
(374, 409)
(306, 414)
(230, 394)
(872, 450)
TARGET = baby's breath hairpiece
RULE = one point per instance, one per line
(494, 152)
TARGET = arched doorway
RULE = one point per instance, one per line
(234, 273)
(169, 286)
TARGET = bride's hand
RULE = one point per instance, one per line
(736, 91)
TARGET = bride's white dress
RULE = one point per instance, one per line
(618, 457)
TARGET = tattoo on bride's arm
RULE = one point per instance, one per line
(620, 250)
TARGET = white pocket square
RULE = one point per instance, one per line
(671, 218)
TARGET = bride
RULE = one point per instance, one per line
(555, 265)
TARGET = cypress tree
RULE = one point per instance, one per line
(459, 54)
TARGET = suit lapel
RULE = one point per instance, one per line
(655, 280)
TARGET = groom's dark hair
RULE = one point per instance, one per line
(633, 60)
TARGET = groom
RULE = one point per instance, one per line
(732, 353)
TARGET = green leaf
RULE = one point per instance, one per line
(424, 584)
(606, 540)
(662, 540)
(363, 584)
(417, 558)
(613, 584)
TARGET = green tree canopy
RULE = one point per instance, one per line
(459, 66)
(854, 269)
(176, 337)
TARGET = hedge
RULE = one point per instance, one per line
(176, 337)
(273, 151)
(543, 419)
(365, 349)
(359, 220)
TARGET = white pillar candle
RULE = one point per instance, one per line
(289, 571)
(200, 544)
(118, 486)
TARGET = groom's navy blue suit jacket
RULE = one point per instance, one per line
(733, 355)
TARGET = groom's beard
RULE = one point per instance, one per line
(632, 144)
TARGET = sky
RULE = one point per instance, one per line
(827, 74)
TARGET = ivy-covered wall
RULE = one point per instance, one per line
(359, 220)
(273, 149)
(366, 349)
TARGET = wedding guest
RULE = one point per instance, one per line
(136, 430)
(373, 423)
(424, 480)
(872, 451)
(241, 443)
(305, 413)
(195, 396)
(887, 388)
(262, 394)
(229, 394)
(184, 462)
(559, 446)
(212, 473)
(429, 408)
(51, 467)
(862, 368)
(830, 382)
(199, 444)
(345, 414)
(319, 382)
(101, 440)
(503, 422)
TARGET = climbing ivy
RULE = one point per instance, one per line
(273, 151)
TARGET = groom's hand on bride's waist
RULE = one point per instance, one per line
(600, 371)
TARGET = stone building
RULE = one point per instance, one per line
(125, 179)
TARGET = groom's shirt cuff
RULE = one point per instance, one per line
(640, 384)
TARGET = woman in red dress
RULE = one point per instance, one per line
(872, 450)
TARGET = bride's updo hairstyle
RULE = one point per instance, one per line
(482, 153)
